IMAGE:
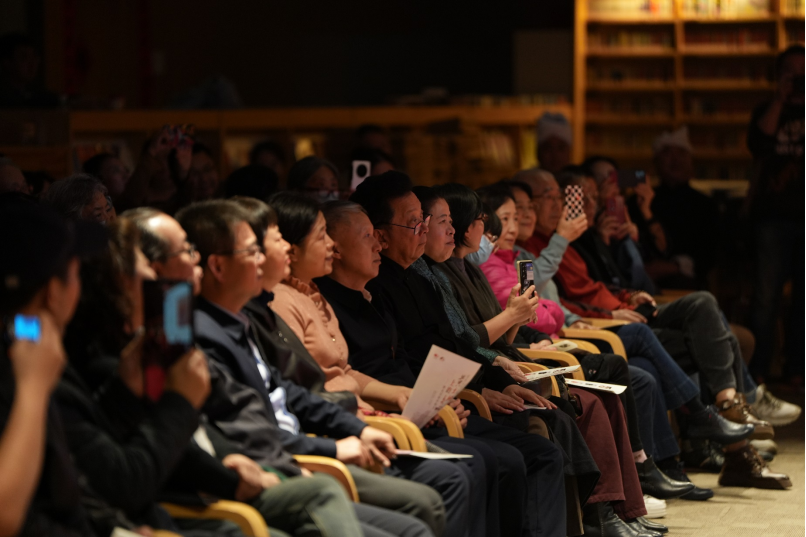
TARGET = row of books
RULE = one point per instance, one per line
(643, 106)
(726, 8)
(624, 38)
(615, 8)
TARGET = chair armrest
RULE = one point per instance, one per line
(452, 422)
(528, 367)
(390, 426)
(332, 467)
(165, 533)
(245, 516)
(605, 323)
(603, 335)
(562, 357)
(413, 433)
(583, 345)
(478, 401)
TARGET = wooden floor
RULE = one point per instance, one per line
(738, 512)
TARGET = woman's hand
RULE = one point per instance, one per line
(522, 308)
(628, 315)
(582, 325)
(39, 366)
(510, 367)
(607, 227)
(521, 393)
(501, 403)
(543, 345)
(570, 230)
(644, 194)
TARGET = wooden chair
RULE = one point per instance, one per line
(604, 323)
(563, 358)
(447, 414)
(332, 467)
(607, 336)
(245, 516)
(477, 401)
(586, 346)
(528, 367)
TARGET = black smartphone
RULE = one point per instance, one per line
(168, 323)
(647, 310)
(526, 274)
(630, 178)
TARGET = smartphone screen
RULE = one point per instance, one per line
(27, 327)
(526, 275)
(630, 178)
(168, 323)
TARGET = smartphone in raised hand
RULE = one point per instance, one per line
(615, 208)
(573, 201)
(168, 323)
(630, 178)
(526, 274)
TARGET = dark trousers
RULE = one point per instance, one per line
(653, 422)
(779, 257)
(612, 369)
(641, 342)
(693, 325)
(538, 457)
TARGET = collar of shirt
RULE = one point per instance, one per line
(335, 291)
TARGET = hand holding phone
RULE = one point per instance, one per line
(615, 209)
(573, 202)
(36, 352)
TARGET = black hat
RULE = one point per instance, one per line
(36, 243)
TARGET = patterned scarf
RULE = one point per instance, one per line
(456, 315)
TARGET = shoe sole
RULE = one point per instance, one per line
(658, 513)
(781, 422)
(763, 434)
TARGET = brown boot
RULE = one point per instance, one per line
(745, 468)
(739, 411)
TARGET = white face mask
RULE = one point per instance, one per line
(484, 252)
(324, 196)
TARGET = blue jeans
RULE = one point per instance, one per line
(779, 256)
(653, 423)
(640, 342)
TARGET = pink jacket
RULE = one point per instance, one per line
(502, 275)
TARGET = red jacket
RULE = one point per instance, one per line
(575, 283)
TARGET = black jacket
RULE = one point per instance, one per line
(370, 332)
(421, 322)
(224, 339)
(288, 354)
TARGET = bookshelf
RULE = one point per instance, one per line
(645, 66)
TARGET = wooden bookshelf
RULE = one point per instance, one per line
(685, 62)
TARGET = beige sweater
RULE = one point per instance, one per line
(312, 319)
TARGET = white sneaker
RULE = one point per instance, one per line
(655, 508)
(765, 445)
(773, 410)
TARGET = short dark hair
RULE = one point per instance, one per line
(427, 196)
(465, 205)
(304, 168)
(369, 128)
(9, 43)
(376, 193)
(296, 215)
(495, 195)
(210, 225)
(92, 166)
(590, 161)
(36, 180)
(261, 215)
(336, 211)
(493, 224)
(254, 181)
(267, 146)
(520, 185)
(791, 50)
(374, 156)
(571, 175)
(69, 196)
(154, 247)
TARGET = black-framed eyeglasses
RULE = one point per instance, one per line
(251, 251)
(190, 250)
(418, 227)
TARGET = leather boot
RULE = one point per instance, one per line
(709, 425)
(674, 470)
(639, 528)
(599, 520)
(654, 526)
(657, 484)
(745, 468)
(738, 411)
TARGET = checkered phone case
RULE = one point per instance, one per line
(573, 200)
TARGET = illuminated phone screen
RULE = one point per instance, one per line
(27, 327)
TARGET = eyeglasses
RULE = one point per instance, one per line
(418, 227)
(251, 251)
(190, 250)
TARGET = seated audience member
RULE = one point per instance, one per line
(328, 509)
(271, 155)
(691, 327)
(775, 137)
(299, 303)
(12, 178)
(202, 176)
(373, 137)
(40, 491)
(554, 140)
(232, 261)
(253, 181)
(316, 178)
(81, 197)
(421, 321)
(38, 182)
(19, 75)
(381, 162)
(108, 169)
